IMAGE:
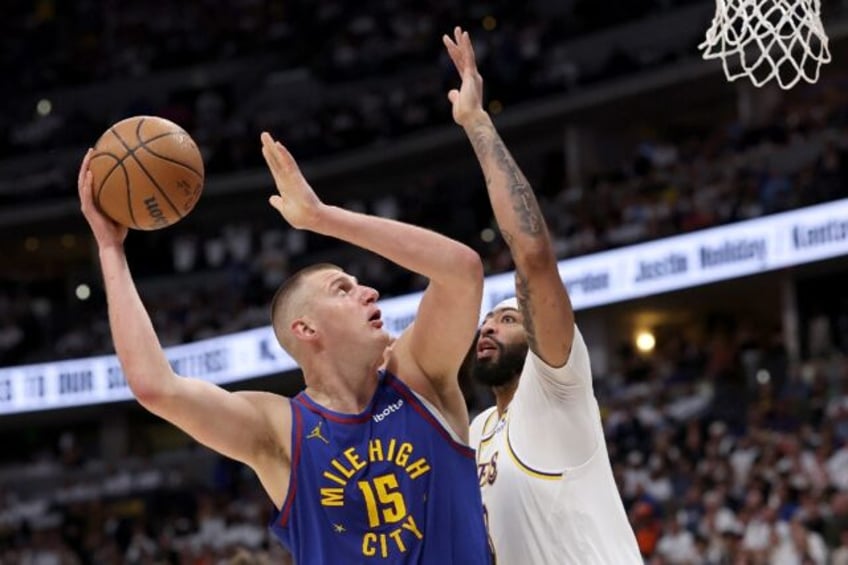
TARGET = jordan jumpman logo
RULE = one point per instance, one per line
(316, 433)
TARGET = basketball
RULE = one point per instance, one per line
(147, 173)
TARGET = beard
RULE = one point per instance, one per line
(501, 370)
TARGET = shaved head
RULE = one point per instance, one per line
(291, 302)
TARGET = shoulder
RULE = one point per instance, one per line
(478, 425)
(446, 396)
(481, 418)
(576, 370)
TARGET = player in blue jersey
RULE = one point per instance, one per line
(369, 464)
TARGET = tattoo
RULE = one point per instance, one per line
(490, 148)
(523, 201)
(481, 141)
(522, 293)
(487, 142)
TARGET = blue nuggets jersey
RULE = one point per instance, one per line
(388, 485)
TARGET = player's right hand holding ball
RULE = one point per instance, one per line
(106, 232)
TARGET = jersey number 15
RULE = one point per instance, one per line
(383, 499)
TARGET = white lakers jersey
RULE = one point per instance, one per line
(548, 490)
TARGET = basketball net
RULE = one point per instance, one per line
(781, 40)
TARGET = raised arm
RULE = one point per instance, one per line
(236, 425)
(450, 309)
(544, 301)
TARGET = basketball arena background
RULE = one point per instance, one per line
(702, 227)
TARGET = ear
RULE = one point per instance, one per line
(303, 329)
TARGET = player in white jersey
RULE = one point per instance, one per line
(548, 488)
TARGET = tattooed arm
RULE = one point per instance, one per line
(546, 308)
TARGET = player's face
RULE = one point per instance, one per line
(501, 347)
(346, 312)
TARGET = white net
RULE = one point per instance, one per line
(781, 40)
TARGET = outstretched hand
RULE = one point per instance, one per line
(468, 100)
(106, 231)
(296, 201)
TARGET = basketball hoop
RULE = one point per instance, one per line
(781, 40)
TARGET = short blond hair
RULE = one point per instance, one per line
(288, 303)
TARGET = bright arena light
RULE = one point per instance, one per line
(645, 341)
(44, 107)
(83, 291)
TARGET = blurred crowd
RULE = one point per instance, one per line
(726, 451)
(326, 79)
(378, 81)
(669, 185)
(182, 507)
(742, 459)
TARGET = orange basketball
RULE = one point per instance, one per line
(147, 172)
